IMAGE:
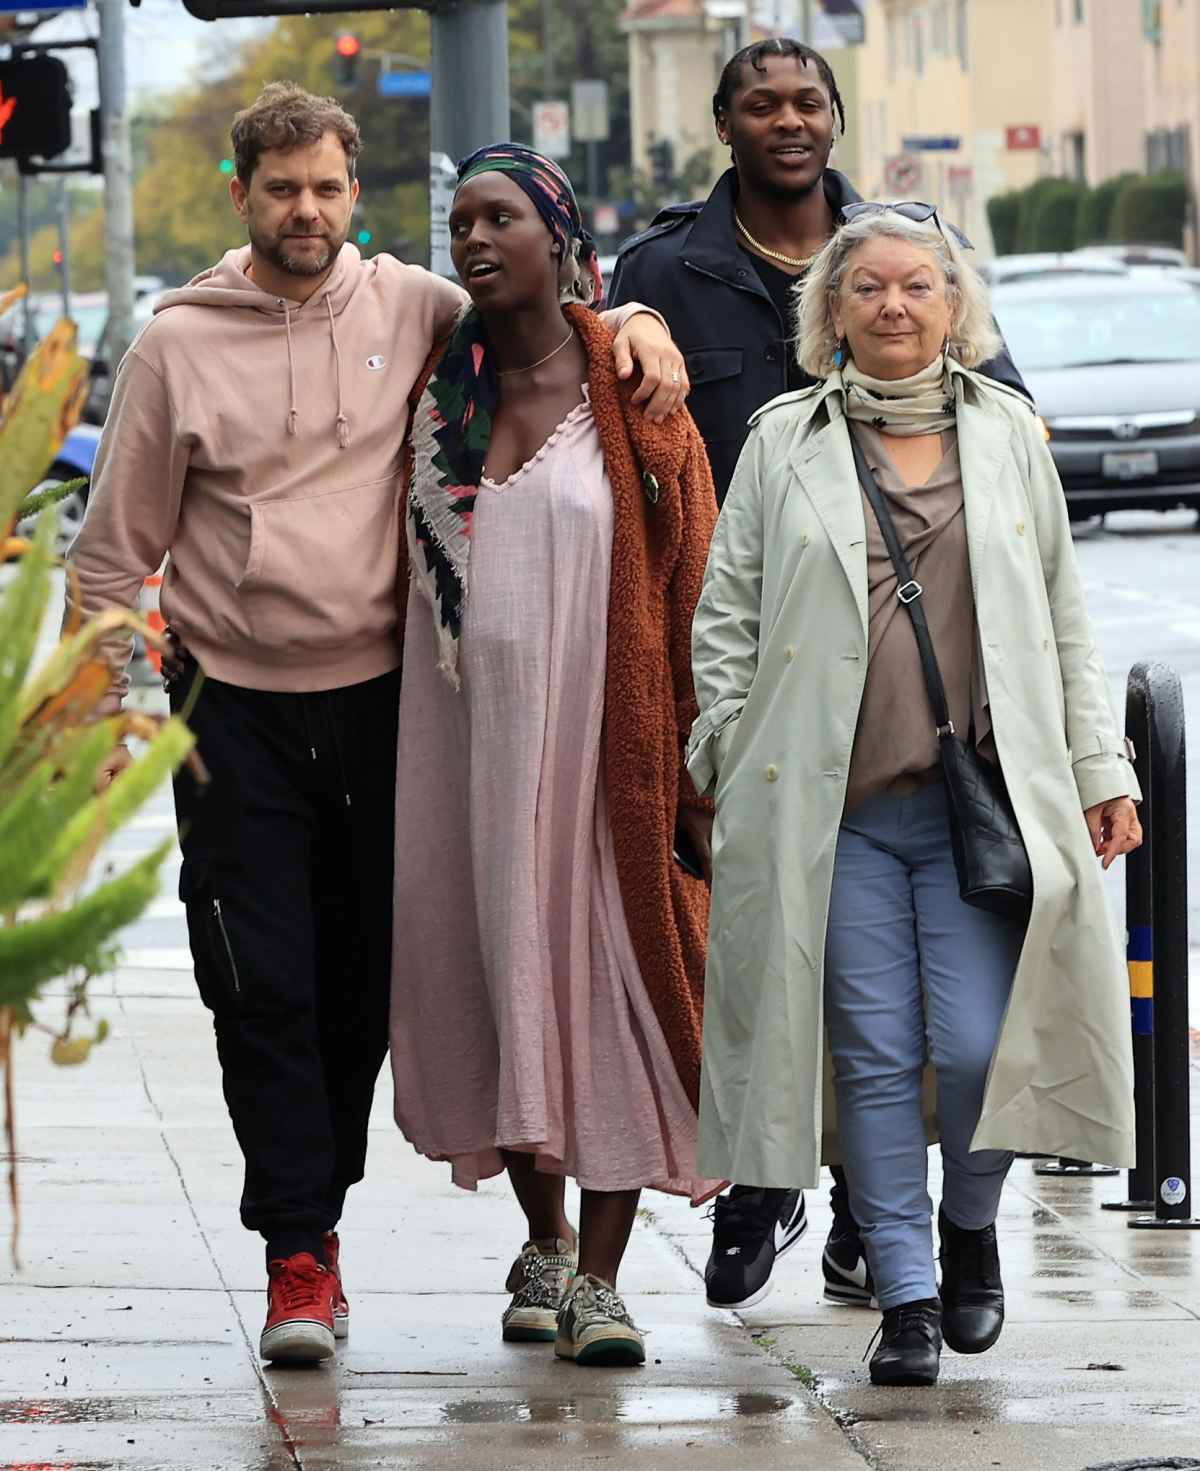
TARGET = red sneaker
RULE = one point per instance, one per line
(341, 1308)
(299, 1327)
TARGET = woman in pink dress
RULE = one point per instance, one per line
(549, 942)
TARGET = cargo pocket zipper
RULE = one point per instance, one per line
(233, 970)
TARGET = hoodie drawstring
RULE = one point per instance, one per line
(292, 411)
(332, 711)
(343, 424)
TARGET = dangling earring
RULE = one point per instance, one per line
(839, 357)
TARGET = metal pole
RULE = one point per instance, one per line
(470, 104)
(547, 48)
(27, 343)
(118, 179)
(1139, 931)
(64, 243)
(1172, 1090)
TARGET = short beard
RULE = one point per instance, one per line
(308, 265)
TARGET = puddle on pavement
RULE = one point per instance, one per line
(61, 1411)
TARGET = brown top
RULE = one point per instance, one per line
(895, 745)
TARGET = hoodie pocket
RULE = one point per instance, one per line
(321, 571)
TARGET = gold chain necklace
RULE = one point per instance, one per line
(529, 367)
(787, 260)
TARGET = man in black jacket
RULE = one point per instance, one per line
(722, 271)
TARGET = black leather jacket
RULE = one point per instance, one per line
(689, 266)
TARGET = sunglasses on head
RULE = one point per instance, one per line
(911, 209)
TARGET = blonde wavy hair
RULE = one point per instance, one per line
(973, 336)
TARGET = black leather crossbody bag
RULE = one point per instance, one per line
(989, 852)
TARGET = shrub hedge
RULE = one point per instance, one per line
(1061, 214)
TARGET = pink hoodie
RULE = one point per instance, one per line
(259, 443)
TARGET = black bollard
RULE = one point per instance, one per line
(1139, 930)
(1167, 801)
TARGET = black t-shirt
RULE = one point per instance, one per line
(780, 285)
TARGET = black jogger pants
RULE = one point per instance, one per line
(287, 880)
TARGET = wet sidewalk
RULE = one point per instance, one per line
(129, 1338)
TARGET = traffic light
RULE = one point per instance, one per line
(35, 107)
(662, 162)
(347, 52)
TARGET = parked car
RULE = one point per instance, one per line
(75, 459)
(1163, 256)
(1003, 268)
(1113, 363)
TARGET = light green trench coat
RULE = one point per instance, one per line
(779, 660)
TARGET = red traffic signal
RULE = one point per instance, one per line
(347, 53)
(35, 107)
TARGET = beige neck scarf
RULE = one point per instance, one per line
(922, 404)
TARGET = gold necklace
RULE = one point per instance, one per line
(529, 367)
(801, 263)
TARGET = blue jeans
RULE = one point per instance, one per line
(911, 971)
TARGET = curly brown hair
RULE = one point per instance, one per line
(283, 117)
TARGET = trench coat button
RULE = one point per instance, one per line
(1045, 643)
(772, 772)
(650, 486)
(789, 653)
(770, 354)
(1020, 528)
(804, 538)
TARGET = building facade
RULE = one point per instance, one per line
(677, 49)
(953, 101)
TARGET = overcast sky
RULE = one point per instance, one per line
(165, 46)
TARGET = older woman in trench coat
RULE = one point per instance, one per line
(835, 905)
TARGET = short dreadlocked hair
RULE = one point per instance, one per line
(755, 55)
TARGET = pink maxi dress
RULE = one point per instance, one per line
(519, 1016)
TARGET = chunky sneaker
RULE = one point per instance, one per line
(910, 1344)
(844, 1264)
(299, 1327)
(538, 1281)
(594, 1326)
(972, 1292)
(341, 1308)
(750, 1229)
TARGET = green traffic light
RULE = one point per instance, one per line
(363, 237)
(226, 165)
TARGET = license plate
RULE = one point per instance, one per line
(1134, 464)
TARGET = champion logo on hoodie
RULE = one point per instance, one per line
(375, 362)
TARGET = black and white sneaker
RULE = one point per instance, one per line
(750, 1229)
(844, 1263)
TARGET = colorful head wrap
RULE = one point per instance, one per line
(452, 425)
(551, 193)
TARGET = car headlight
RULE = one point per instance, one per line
(1044, 427)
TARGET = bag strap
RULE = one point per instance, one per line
(908, 590)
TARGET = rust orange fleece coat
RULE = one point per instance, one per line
(665, 510)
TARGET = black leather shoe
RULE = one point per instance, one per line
(910, 1344)
(972, 1293)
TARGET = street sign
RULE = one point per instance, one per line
(928, 144)
(405, 84)
(589, 111)
(552, 129)
(902, 175)
(443, 178)
(960, 178)
(1022, 137)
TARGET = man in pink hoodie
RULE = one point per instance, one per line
(255, 435)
